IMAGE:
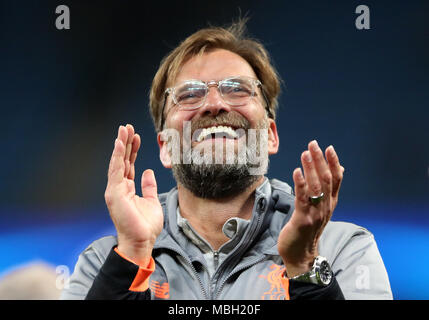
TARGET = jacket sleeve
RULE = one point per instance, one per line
(308, 291)
(103, 273)
(86, 269)
(298, 290)
(356, 262)
(120, 279)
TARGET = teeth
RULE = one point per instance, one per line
(207, 132)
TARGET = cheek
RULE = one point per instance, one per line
(252, 113)
(176, 119)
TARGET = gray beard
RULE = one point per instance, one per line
(217, 181)
(214, 181)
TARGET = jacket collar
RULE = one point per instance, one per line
(270, 197)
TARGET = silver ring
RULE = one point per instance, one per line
(316, 200)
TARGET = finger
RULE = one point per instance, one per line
(130, 135)
(322, 167)
(120, 136)
(130, 130)
(336, 169)
(133, 156)
(135, 148)
(301, 195)
(314, 187)
(117, 167)
(123, 135)
(149, 187)
(118, 154)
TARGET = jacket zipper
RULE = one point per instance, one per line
(215, 259)
(203, 290)
(248, 265)
(254, 232)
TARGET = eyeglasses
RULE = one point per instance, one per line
(235, 91)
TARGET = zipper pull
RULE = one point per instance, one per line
(215, 258)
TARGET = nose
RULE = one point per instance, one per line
(214, 103)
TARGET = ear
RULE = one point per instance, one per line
(164, 155)
(273, 137)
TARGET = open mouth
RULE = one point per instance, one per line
(216, 132)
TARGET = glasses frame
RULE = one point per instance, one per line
(208, 84)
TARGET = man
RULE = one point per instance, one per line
(225, 231)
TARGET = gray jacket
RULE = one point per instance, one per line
(252, 269)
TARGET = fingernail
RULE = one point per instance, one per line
(332, 150)
(315, 146)
(307, 156)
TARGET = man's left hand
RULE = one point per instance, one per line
(298, 240)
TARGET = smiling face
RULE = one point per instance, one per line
(216, 120)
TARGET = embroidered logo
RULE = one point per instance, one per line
(276, 291)
(161, 291)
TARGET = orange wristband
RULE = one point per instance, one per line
(285, 283)
(141, 280)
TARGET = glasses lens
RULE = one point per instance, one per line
(190, 94)
(236, 91)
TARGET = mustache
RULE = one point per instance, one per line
(230, 119)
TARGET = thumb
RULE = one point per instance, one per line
(149, 187)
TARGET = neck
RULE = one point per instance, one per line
(207, 216)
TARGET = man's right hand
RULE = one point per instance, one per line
(138, 220)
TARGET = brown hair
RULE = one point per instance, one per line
(231, 38)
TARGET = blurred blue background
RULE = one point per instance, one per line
(63, 94)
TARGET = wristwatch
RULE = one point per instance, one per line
(320, 273)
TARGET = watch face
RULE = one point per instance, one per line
(325, 272)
